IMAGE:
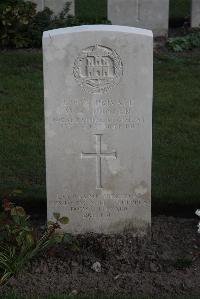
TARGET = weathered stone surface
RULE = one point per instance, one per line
(148, 14)
(195, 15)
(98, 122)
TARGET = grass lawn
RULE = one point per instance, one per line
(22, 126)
(176, 127)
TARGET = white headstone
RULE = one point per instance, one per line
(195, 15)
(148, 14)
(98, 116)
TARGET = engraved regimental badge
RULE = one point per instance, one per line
(98, 69)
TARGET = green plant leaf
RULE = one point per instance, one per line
(29, 239)
(64, 220)
(18, 211)
(17, 191)
(56, 216)
(5, 277)
(50, 223)
(57, 238)
(19, 240)
(16, 219)
(67, 238)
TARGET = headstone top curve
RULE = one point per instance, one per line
(108, 28)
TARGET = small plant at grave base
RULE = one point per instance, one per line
(18, 240)
(184, 43)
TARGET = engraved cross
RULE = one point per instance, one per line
(99, 156)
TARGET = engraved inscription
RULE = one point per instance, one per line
(98, 156)
(91, 206)
(107, 113)
(98, 69)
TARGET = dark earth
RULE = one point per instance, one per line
(165, 263)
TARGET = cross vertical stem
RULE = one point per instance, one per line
(98, 161)
(98, 156)
(98, 174)
(138, 10)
